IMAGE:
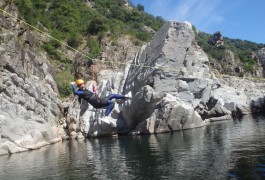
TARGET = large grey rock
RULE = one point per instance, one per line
(172, 90)
(172, 114)
(261, 56)
(30, 108)
(180, 68)
(83, 118)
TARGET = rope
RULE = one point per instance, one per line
(113, 62)
(93, 78)
(75, 50)
(93, 75)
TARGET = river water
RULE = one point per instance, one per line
(224, 150)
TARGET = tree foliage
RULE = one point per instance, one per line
(241, 49)
(95, 26)
(72, 21)
(140, 7)
(67, 17)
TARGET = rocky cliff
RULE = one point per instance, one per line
(233, 56)
(169, 78)
(29, 105)
(172, 87)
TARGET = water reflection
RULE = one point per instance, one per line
(225, 150)
(248, 148)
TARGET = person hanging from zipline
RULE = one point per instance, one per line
(92, 98)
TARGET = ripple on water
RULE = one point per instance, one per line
(230, 149)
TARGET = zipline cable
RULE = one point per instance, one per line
(113, 62)
(77, 51)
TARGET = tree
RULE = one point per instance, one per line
(96, 25)
(74, 40)
(140, 7)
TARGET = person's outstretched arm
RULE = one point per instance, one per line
(75, 91)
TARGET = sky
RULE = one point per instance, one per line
(235, 19)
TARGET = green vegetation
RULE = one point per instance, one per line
(242, 49)
(75, 23)
(51, 48)
(62, 80)
(69, 20)
(94, 47)
(72, 22)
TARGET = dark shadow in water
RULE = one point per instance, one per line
(223, 150)
(248, 155)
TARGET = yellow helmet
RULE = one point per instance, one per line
(78, 82)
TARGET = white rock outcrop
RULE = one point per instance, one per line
(172, 88)
(29, 105)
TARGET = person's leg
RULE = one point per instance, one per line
(109, 107)
(111, 104)
(116, 96)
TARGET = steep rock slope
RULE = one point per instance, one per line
(30, 107)
(181, 92)
(172, 87)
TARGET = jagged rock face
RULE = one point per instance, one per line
(172, 87)
(174, 53)
(30, 108)
(261, 60)
(241, 96)
(174, 50)
(83, 118)
(82, 68)
(121, 52)
(216, 39)
(172, 90)
(183, 94)
(261, 56)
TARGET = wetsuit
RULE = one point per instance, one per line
(95, 101)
